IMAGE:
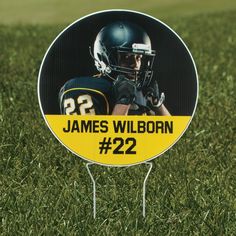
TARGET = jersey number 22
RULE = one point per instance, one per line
(85, 105)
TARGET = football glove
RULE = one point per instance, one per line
(124, 90)
(153, 96)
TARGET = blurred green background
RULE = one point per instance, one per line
(66, 11)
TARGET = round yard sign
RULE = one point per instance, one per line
(118, 87)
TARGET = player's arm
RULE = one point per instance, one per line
(124, 94)
(121, 109)
(161, 111)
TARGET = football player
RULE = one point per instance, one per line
(124, 58)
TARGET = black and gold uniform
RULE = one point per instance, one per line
(94, 96)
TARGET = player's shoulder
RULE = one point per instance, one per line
(88, 82)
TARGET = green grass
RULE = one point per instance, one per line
(45, 190)
(63, 11)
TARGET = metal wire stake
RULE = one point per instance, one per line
(94, 189)
(144, 187)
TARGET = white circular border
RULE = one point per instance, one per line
(116, 10)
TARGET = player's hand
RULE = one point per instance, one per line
(124, 90)
(153, 96)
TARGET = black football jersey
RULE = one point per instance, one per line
(93, 96)
(86, 96)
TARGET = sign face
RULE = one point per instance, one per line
(118, 87)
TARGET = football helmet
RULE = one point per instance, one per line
(117, 40)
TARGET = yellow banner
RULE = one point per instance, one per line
(117, 140)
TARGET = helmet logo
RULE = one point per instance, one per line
(141, 48)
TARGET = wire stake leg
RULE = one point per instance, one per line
(144, 187)
(94, 189)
